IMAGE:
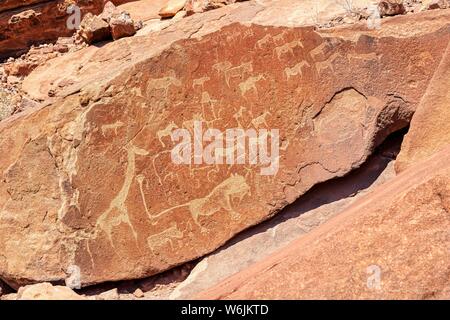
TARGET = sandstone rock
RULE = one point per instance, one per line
(391, 7)
(94, 29)
(35, 21)
(143, 10)
(46, 291)
(430, 126)
(108, 11)
(391, 244)
(122, 26)
(314, 208)
(19, 68)
(6, 104)
(197, 6)
(171, 8)
(41, 21)
(138, 293)
(109, 295)
(14, 4)
(88, 181)
(13, 79)
(436, 4)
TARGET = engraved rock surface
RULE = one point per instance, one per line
(391, 244)
(88, 180)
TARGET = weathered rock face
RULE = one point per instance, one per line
(46, 291)
(94, 29)
(314, 208)
(430, 127)
(23, 23)
(392, 244)
(14, 4)
(391, 7)
(88, 180)
(171, 8)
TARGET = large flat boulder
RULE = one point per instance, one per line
(430, 127)
(391, 244)
(88, 181)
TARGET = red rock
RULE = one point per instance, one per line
(438, 4)
(35, 21)
(430, 126)
(94, 29)
(171, 8)
(19, 68)
(197, 6)
(108, 10)
(391, 244)
(391, 7)
(122, 26)
(46, 291)
(87, 179)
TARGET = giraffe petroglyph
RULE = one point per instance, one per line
(117, 212)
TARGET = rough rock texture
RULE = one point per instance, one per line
(41, 22)
(94, 29)
(430, 127)
(46, 291)
(171, 8)
(122, 26)
(437, 4)
(391, 244)
(87, 180)
(14, 4)
(391, 7)
(197, 6)
(314, 208)
(24, 23)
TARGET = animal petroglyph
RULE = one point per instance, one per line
(117, 212)
(250, 84)
(165, 237)
(164, 83)
(319, 52)
(296, 70)
(233, 72)
(222, 66)
(166, 132)
(239, 115)
(200, 82)
(279, 37)
(288, 48)
(206, 98)
(140, 180)
(263, 41)
(219, 198)
(113, 126)
(327, 64)
(261, 120)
